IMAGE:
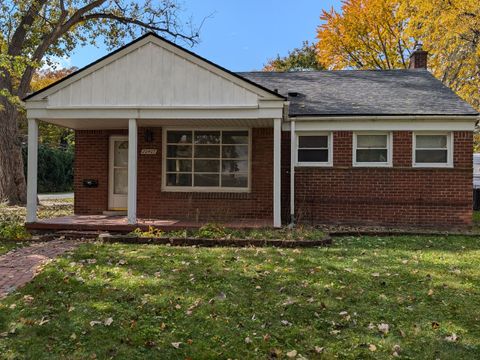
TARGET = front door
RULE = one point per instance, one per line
(118, 177)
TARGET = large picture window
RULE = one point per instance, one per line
(207, 159)
(372, 149)
(432, 150)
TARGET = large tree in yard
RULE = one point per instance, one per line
(32, 33)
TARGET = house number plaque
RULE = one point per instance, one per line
(149, 152)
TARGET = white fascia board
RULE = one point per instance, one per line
(387, 124)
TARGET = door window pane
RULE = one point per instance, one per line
(120, 153)
(120, 181)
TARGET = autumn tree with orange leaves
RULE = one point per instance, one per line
(379, 34)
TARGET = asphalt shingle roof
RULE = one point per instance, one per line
(363, 92)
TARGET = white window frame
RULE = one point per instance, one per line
(329, 148)
(388, 163)
(212, 189)
(450, 141)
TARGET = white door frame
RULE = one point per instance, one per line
(114, 199)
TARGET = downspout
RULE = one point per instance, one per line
(293, 157)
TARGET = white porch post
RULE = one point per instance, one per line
(132, 171)
(277, 172)
(293, 158)
(32, 170)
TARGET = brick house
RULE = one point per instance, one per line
(162, 133)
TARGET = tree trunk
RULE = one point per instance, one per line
(12, 179)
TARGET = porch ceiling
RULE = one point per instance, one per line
(110, 124)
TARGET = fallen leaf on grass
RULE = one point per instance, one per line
(286, 323)
(108, 321)
(372, 348)
(451, 338)
(95, 322)
(292, 354)
(176, 345)
(319, 349)
(248, 340)
(383, 328)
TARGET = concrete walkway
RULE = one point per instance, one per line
(58, 196)
(19, 266)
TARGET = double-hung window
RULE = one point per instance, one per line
(314, 149)
(372, 149)
(432, 150)
(207, 160)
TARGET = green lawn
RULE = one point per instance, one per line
(143, 301)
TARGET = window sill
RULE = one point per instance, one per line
(313, 164)
(371, 165)
(433, 166)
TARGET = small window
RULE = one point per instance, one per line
(314, 150)
(372, 150)
(432, 150)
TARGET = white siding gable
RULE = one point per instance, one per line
(152, 75)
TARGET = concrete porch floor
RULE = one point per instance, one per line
(120, 224)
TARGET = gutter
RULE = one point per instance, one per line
(386, 117)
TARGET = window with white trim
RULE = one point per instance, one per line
(207, 159)
(314, 149)
(372, 149)
(432, 150)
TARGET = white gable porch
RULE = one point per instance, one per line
(152, 83)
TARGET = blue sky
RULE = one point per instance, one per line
(242, 34)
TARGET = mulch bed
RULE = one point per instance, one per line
(326, 241)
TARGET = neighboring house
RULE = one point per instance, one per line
(163, 133)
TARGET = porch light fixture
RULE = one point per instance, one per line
(148, 135)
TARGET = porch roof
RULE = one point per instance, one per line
(158, 83)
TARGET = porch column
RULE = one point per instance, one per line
(32, 170)
(132, 171)
(277, 165)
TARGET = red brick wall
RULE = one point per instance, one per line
(92, 162)
(400, 195)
